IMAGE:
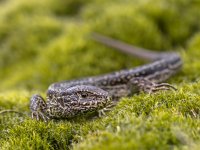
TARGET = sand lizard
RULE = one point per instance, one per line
(68, 99)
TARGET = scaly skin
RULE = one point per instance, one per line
(68, 99)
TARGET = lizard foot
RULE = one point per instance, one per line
(38, 107)
(139, 84)
(101, 112)
(38, 115)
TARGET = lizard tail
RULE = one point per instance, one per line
(129, 49)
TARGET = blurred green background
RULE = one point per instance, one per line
(44, 41)
(41, 41)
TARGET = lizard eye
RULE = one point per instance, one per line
(84, 95)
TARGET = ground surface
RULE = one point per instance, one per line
(46, 41)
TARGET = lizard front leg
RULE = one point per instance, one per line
(38, 108)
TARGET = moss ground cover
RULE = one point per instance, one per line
(47, 41)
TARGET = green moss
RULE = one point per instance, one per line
(46, 41)
(122, 17)
(175, 19)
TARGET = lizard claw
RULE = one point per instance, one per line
(39, 116)
(101, 112)
(139, 84)
(160, 87)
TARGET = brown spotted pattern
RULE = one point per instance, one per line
(68, 99)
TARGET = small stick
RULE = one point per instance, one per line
(10, 111)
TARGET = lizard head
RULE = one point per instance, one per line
(76, 100)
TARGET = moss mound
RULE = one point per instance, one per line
(40, 43)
